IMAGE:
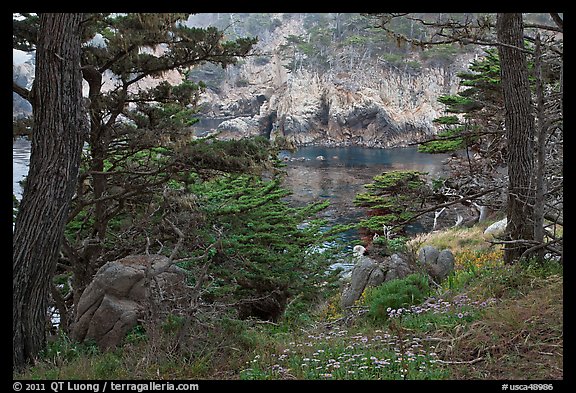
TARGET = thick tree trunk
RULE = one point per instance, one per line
(539, 199)
(519, 122)
(55, 158)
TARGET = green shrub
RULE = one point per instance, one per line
(396, 294)
(64, 348)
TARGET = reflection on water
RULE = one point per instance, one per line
(359, 157)
(336, 174)
(20, 162)
(314, 173)
(339, 173)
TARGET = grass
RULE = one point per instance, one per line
(487, 320)
(348, 354)
(456, 239)
(520, 337)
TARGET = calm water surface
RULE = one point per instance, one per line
(20, 161)
(339, 173)
(314, 174)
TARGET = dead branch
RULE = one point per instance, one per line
(436, 207)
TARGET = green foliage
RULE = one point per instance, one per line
(485, 72)
(492, 303)
(396, 294)
(395, 245)
(391, 197)
(173, 323)
(443, 54)
(136, 334)
(62, 349)
(395, 181)
(108, 365)
(447, 120)
(261, 247)
(459, 104)
(482, 83)
(447, 141)
(337, 355)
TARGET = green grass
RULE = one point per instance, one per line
(343, 354)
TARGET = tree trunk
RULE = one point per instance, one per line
(57, 142)
(539, 199)
(519, 122)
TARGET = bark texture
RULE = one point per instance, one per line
(57, 141)
(519, 122)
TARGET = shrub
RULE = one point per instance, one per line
(396, 294)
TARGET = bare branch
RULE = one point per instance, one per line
(436, 207)
(180, 239)
(21, 91)
(558, 20)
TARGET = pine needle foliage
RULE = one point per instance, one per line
(481, 94)
(391, 199)
(264, 251)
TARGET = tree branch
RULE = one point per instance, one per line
(21, 91)
(436, 207)
(558, 20)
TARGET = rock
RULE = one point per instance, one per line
(320, 158)
(428, 255)
(497, 229)
(439, 264)
(376, 278)
(121, 292)
(238, 128)
(365, 272)
(397, 267)
(444, 265)
(358, 251)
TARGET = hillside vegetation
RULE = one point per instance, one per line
(486, 321)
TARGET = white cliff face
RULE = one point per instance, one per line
(23, 75)
(374, 105)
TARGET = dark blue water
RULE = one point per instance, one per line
(359, 157)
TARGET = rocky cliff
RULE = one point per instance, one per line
(23, 75)
(358, 96)
(370, 103)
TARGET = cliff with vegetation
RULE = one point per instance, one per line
(327, 79)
